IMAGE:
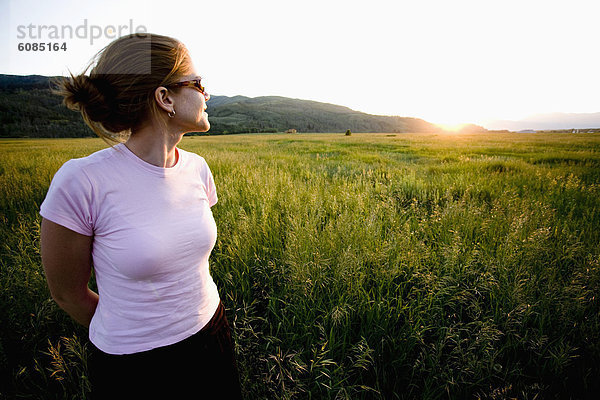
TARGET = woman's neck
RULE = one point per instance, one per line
(153, 147)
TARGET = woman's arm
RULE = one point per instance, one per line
(67, 261)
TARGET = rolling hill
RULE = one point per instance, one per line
(277, 114)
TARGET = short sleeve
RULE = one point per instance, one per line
(209, 184)
(69, 199)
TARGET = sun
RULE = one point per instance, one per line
(451, 128)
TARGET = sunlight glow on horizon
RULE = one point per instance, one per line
(451, 127)
(448, 63)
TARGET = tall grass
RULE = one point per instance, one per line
(367, 266)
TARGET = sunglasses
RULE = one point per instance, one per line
(193, 83)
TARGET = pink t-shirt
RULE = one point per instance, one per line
(153, 233)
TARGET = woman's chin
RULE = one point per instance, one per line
(204, 124)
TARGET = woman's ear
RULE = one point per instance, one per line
(164, 99)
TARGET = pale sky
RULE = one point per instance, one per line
(446, 61)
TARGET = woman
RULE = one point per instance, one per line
(139, 212)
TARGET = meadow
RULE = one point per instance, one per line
(371, 266)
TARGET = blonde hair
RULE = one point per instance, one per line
(118, 95)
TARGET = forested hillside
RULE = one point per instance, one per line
(29, 109)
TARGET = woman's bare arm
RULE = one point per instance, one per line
(67, 261)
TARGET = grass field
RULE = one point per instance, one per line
(371, 266)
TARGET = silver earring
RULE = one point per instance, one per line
(171, 114)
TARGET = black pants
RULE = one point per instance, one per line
(202, 366)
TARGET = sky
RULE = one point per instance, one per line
(446, 61)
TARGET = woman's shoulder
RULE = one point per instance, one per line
(194, 158)
(101, 155)
(85, 165)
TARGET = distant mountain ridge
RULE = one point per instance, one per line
(550, 121)
(27, 108)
